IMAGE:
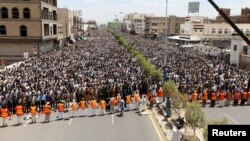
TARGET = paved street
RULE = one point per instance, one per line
(131, 127)
(234, 115)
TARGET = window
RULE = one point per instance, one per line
(247, 31)
(226, 31)
(201, 30)
(26, 13)
(220, 31)
(195, 30)
(213, 31)
(15, 13)
(23, 31)
(54, 29)
(235, 47)
(2, 30)
(4, 13)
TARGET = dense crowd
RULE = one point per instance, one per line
(94, 69)
(192, 70)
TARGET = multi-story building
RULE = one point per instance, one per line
(240, 53)
(77, 28)
(65, 17)
(25, 25)
(243, 18)
(136, 22)
(156, 25)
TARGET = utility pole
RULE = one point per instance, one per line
(166, 43)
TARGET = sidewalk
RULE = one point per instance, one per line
(157, 112)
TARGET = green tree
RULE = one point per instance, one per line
(212, 122)
(169, 88)
(195, 116)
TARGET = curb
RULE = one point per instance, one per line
(163, 129)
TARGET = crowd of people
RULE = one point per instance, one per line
(100, 69)
(95, 69)
(193, 71)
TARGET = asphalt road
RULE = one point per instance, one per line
(234, 115)
(131, 127)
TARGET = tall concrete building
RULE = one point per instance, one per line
(65, 17)
(25, 25)
(136, 22)
(156, 25)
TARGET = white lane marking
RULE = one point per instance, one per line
(156, 129)
(112, 119)
(231, 118)
(70, 121)
(26, 123)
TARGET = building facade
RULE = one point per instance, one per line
(243, 18)
(136, 22)
(156, 25)
(25, 25)
(240, 53)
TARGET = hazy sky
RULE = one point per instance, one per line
(105, 10)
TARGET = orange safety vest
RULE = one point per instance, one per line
(152, 99)
(60, 107)
(33, 110)
(213, 96)
(221, 96)
(128, 100)
(160, 93)
(83, 105)
(248, 95)
(4, 113)
(19, 110)
(137, 97)
(113, 101)
(195, 97)
(244, 95)
(74, 106)
(204, 97)
(228, 96)
(93, 104)
(102, 104)
(237, 96)
(47, 110)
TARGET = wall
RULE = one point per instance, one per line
(235, 55)
(245, 61)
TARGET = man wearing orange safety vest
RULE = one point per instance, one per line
(112, 104)
(228, 98)
(60, 110)
(151, 101)
(4, 115)
(136, 100)
(19, 113)
(213, 99)
(160, 95)
(102, 106)
(204, 98)
(128, 102)
(221, 98)
(47, 112)
(236, 98)
(248, 98)
(74, 107)
(83, 106)
(93, 106)
(243, 98)
(33, 113)
(195, 96)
